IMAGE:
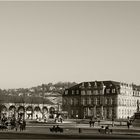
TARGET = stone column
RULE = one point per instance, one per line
(101, 110)
(104, 109)
(94, 111)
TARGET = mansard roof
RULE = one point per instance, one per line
(103, 83)
(135, 87)
(95, 83)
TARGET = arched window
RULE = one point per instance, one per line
(83, 101)
(72, 101)
(122, 102)
(119, 101)
(95, 101)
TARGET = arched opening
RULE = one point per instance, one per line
(52, 112)
(37, 113)
(12, 111)
(45, 112)
(3, 111)
(45, 109)
(29, 112)
(21, 112)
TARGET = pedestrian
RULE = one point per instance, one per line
(90, 122)
(80, 130)
(98, 121)
(24, 124)
(16, 125)
(93, 122)
(102, 130)
(61, 120)
(112, 122)
(128, 122)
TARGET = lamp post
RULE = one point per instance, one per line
(43, 86)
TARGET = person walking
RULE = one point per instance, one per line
(16, 125)
(93, 121)
(112, 122)
(90, 122)
(98, 119)
(128, 122)
(24, 124)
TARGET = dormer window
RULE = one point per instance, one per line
(113, 90)
(88, 92)
(89, 85)
(102, 85)
(108, 90)
(77, 92)
(72, 92)
(66, 92)
(95, 84)
(83, 92)
(82, 85)
(110, 85)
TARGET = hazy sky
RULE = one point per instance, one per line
(42, 42)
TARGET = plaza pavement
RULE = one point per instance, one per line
(71, 130)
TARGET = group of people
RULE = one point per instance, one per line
(58, 118)
(13, 123)
(105, 130)
(93, 120)
(56, 129)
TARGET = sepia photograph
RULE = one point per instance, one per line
(69, 69)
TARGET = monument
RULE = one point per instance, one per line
(136, 121)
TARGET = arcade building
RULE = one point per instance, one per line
(103, 99)
(28, 111)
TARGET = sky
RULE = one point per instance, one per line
(43, 42)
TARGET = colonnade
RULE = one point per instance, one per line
(28, 111)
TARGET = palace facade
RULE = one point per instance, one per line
(104, 99)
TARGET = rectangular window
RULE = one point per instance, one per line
(77, 92)
(107, 90)
(83, 101)
(108, 101)
(98, 101)
(92, 100)
(87, 101)
(113, 101)
(88, 92)
(83, 92)
(95, 92)
(72, 92)
(72, 112)
(101, 91)
(66, 92)
(72, 101)
(105, 101)
(75, 101)
(113, 90)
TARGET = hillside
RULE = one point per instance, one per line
(49, 93)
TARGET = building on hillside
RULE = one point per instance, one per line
(104, 99)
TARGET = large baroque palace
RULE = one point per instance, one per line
(104, 99)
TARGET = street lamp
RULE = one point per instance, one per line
(43, 92)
